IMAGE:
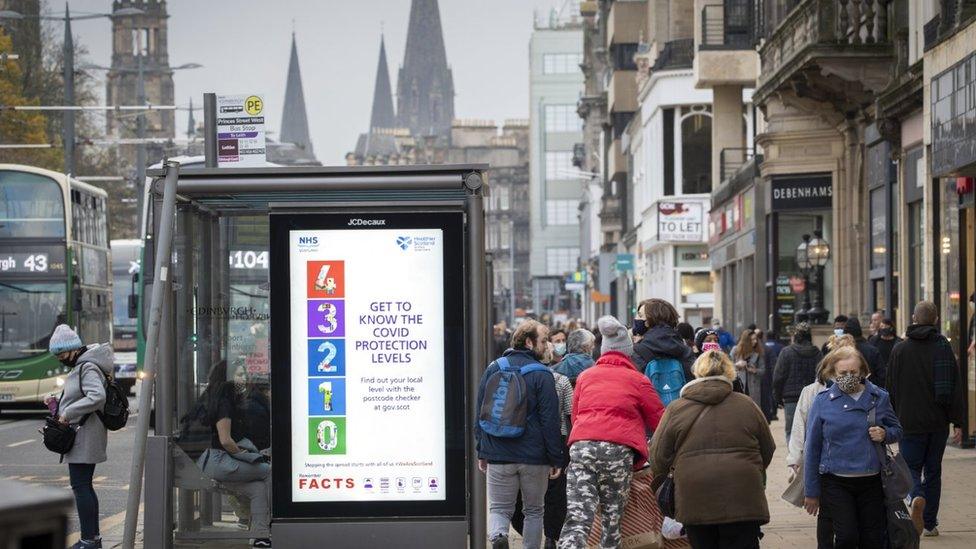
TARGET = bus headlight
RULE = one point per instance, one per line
(59, 381)
(142, 375)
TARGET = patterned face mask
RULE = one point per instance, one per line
(849, 383)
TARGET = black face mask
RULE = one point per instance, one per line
(887, 332)
(70, 361)
(640, 328)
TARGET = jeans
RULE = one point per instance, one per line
(250, 480)
(789, 409)
(85, 498)
(856, 505)
(734, 535)
(555, 509)
(923, 453)
(505, 480)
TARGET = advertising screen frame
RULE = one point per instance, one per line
(451, 222)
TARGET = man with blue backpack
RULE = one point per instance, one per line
(518, 434)
(662, 354)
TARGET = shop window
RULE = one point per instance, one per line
(950, 286)
(696, 287)
(696, 154)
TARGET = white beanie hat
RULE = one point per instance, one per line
(615, 336)
(64, 339)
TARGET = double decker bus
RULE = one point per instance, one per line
(54, 268)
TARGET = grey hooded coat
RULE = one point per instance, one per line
(93, 367)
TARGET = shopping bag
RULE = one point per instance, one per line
(794, 492)
(901, 530)
(640, 527)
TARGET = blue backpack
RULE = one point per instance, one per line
(505, 405)
(668, 377)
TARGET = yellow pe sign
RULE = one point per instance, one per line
(253, 105)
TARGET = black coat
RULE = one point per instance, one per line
(875, 363)
(912, 380)
(796, 367)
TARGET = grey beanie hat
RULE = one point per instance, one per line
(64, 339)
(615, 336)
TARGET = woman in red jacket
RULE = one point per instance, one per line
(614, 406)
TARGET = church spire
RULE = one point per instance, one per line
(294, 120)
(425, 86)
(382, 115)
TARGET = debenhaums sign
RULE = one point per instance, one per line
(808, 192)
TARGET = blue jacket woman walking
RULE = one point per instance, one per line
(841, 467)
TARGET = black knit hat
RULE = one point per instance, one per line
(853, 327)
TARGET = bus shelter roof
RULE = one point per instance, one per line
(239, 191)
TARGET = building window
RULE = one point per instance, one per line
(503, 195)
(622, 56)
(561, 63)
(560, 261)
(668, 134)
(562, 118)
(916, 253)
(559, 165)
(879, 225)
(561, 212)
(696, 154)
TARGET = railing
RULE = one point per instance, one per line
(728, 26)
(827, 22)
(732, 159)
(676, 54)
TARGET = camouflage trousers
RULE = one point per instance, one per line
(599, 475)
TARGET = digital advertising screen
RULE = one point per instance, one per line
(375, 377)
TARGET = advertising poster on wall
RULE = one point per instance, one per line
(367, 365)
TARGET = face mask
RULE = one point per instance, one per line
(710, 346)
(70, 361)
(640, 327)
(887, 332)
(838, 332)
(559, 349)
(849, 383)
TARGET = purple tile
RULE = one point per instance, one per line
(326, 318)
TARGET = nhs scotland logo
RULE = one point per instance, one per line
(404, 242)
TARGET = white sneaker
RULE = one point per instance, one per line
(931, 533)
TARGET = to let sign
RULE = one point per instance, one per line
(679, 221)
(812, 192)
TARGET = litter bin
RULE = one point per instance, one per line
(33, 517)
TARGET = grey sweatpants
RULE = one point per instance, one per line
(505, 480)
(599, 473)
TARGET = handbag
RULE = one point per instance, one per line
(794, 493)
(58, 437)
(665, 492)
(896, 477)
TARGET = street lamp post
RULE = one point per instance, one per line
(68, 120)
(803, 261)
(141, 161)
(811, 256)
(818, 252)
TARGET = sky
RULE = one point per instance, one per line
(244, 45)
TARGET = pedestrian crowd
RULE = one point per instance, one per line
(866, 419)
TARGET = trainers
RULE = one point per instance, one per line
(918, 508)
(261, 542)
(88, 544)
(931, 533)
(500, 543)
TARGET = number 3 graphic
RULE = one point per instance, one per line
(331, 324)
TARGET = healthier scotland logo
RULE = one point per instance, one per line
(404, 242)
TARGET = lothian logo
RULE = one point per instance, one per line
(404, 242)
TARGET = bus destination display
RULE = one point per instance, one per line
(46, 261)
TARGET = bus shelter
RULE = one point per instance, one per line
(362, 391)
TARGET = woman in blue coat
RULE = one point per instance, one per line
(841, 466)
